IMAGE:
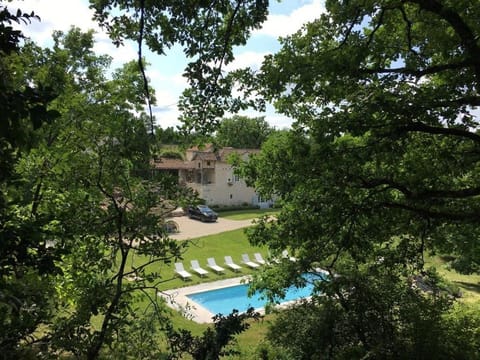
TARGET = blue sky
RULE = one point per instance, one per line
(165, 73)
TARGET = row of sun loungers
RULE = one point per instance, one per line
(211, 263)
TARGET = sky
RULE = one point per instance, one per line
(165, 72)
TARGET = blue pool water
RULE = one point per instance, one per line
(224, 300)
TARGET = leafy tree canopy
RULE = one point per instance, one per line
(207, 31)
(243, 132)
(386, 140)
(76, 205)
(382, 165)
(75, 201)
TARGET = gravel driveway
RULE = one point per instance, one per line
(190, 228)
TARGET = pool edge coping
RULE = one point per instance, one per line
(178, 300)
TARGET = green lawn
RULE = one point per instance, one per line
(233, 243)
(247, 214)
(469, 284)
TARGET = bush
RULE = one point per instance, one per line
(171, 154)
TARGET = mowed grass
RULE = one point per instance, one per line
(231, 243)
(469, 284)
(235, 243)
(247, 214)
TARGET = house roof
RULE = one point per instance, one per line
(172, 164)
(205, 154)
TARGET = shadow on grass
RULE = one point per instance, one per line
(447, 258)
(469, 286)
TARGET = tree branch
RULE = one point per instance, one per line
(409, 30)
(424, 194)
(464, 32)
(373, 183)
(420, 72)
(349, 29)
(140, 64)
(377, 26)
(421, 127)
(439, 215)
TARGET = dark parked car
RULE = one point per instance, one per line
(201, 212)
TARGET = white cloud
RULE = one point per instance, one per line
(55, 15)
(175, 82)
(278, 121)
(249, 59)
(120, 55)
(167, 116)
(283, 25)
(62, 15)
(165, 98)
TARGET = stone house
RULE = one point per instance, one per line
(207, 171)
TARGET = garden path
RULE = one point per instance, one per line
(190, 228)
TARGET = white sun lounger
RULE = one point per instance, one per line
(229, 262)
(259, 259)
(246, 261)
(286, 256)
(180, 270)
(213, 265)
(196, 267)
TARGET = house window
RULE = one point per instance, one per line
(231, 196)
(208, 163)
(199, 165)
(236, 178)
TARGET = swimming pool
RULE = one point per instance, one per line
(226, 299)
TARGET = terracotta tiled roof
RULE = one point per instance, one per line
(205, 156)
(164, 163)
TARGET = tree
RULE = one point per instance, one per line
(382, 164)
(25, 263)
(213, 342)
(379, 318)
(243, 132)
(168, 136)
(206, 31)
(75, 203)
(80, 207)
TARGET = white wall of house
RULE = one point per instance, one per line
(214, 180)
(230, 189)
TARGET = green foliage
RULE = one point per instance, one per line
(243, 132)
(168, 136)
(26, 262)
(207, 31)
(375, 315)
(381, 168)
(213, 342)
(240, 208)
(140, 339)
(379, 153)
(75, 198)
(76, 205)
(171, 154)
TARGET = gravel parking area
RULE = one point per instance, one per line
(190, 228)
